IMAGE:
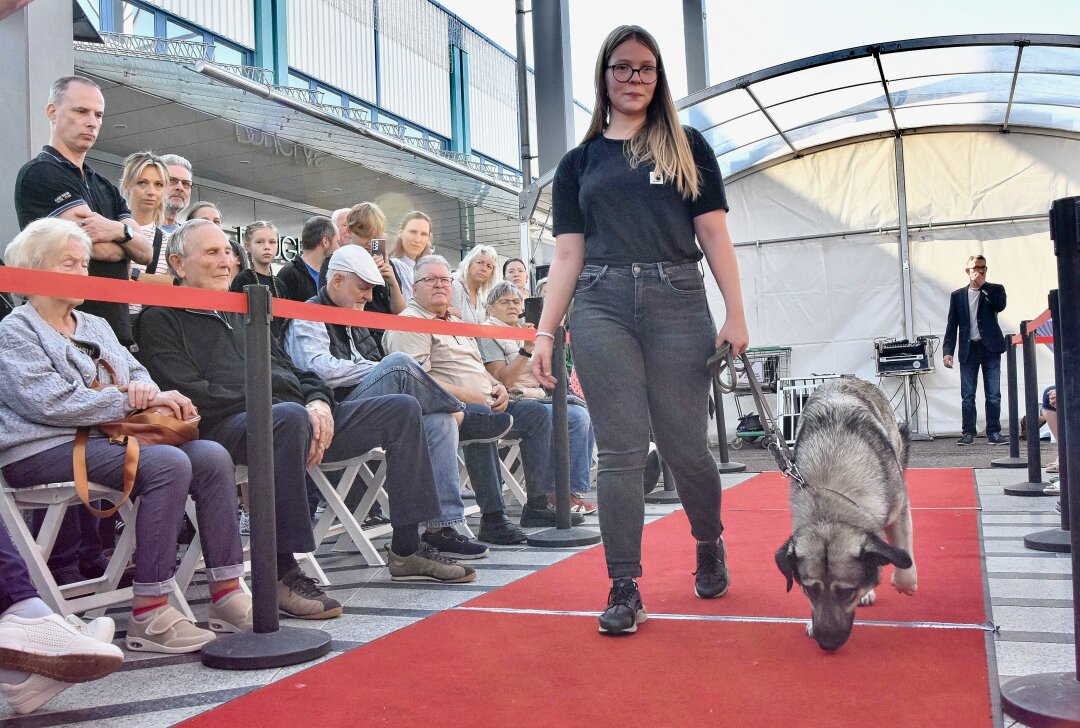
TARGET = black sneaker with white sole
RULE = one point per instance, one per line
(482, 425)
(624, 609)
(451, 543)
(712, 578)
(966, 439)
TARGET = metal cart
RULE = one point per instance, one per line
(770, 364)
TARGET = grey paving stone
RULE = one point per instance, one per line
(1032, 588)
(373, 596)
(1029, 565)
(1029, 658)
(1034, 619)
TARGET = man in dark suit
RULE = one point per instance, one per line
(981, 344)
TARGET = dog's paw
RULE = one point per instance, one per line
(868, 599)
(906, 581)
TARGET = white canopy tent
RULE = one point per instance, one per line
(861, 180)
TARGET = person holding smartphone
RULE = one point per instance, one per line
(628, 203)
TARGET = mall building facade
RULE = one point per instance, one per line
(290, 108)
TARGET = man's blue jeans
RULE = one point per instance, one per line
(990, 363)
(399, 374)
(532, 425)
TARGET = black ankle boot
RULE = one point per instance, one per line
(711, 579)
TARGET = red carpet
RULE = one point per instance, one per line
(485, 669)
(946, 554)
(468, 668)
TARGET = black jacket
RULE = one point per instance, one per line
(201, 354)
(991, 303)
(297, 282)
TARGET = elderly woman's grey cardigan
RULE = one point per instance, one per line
(45, 382)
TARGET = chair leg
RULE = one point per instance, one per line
(506, 465)
(32, 554)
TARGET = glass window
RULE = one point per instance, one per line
(412, 131)
(1054, 117)
(862, 99)
(936, 61)
(1050, 60)
(1044, 88)
(815, 80)
(719, 109)
(950, 89)
(298, 81)
(138, 21)
(225, 53)
(176, 31)
(835, 129)
(739, 132)
(955, 113)
(751, 154)
(90, 8)
(330, 96)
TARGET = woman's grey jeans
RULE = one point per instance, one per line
(640, 337)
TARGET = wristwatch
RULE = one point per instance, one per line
(128, 234)
(135, 273)
(526, 354)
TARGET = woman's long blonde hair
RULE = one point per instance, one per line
(661, 140)
(134, 165)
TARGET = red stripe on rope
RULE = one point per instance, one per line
(67, 285)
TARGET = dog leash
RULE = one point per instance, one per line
(724, 361)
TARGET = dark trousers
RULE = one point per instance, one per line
(15, 584)
(392, 422)
(641, 337)
(990, 363)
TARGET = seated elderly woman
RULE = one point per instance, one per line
(52, 355)
(508, 361)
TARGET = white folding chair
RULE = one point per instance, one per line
(84, 596)
(337, 519)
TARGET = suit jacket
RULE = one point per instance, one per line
(991, 302)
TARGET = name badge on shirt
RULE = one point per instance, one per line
(656, 178)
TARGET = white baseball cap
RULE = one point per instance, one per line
(354, 259)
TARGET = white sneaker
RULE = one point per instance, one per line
(36, 690)
(58, 648)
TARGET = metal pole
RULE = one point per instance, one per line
(1034, 485)
(268, 644)
(523, 96)
(1054, 698)
(725, 465)
(552, 80)
(1063, 413)
(1014, 460)
(564, 534)
(1057, 540)
(697, 45)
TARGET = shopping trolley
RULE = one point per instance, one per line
(769, 365)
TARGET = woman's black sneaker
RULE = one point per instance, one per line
(712, 578)
(545, 517)
(624, 608)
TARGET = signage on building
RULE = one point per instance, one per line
(300, 153)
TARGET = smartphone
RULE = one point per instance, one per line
(534, 306)
(377, 246)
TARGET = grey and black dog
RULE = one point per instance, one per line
(850, 490)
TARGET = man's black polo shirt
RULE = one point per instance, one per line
(48, 185)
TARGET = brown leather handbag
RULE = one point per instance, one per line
(150, 426)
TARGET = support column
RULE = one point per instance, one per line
(272, 38)
(697, 45)
(30, 69)
(554, 89)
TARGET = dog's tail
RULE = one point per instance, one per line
(905, 440)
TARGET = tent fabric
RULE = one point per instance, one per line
(829, 297)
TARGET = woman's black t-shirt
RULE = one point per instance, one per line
(627, 215)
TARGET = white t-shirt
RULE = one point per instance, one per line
(973, 311)
(162, 267)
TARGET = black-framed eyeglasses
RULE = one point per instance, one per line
(623, 72)
(981, 268)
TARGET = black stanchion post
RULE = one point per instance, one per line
(1053, 699)
(1055, 539)
(1014, 460)
(667, 494)
(725, 465)
(268, 644)
(1034, 485)
(564, 534)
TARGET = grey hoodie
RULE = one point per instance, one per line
(45, 382)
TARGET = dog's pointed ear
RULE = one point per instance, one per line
(785, 560)
(878, 553)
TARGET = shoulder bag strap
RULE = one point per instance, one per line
(159, 236)
(82, 483)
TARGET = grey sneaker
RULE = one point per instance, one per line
(427, 564)
(299, 596)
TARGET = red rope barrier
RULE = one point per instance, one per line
(67, 285)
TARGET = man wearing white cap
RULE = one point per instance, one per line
(347, 359)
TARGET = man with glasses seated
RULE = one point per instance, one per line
(455, 363)
(353, 366)
(973, 312)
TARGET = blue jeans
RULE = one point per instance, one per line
(15, 584)
(580, 429)
(532, 425)
(398, 373)
(165, 477)
(641, 337)
(990, 363)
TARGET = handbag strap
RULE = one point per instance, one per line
(159, 237)
(82, 483)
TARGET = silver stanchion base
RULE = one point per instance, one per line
(1051, 699)
(920, 437)
(1055, 539)
(249, 650)
(730, 467)
(1009, 463)
(553, 538)
(663, 496)
(1026, 489)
